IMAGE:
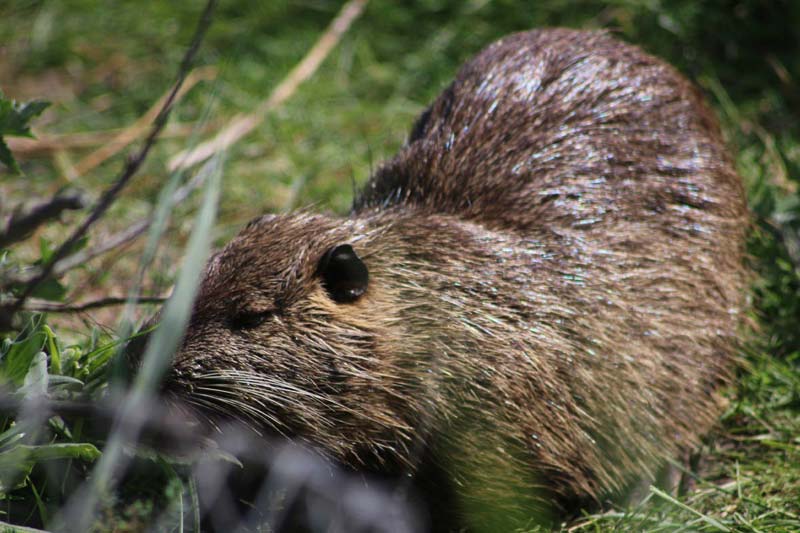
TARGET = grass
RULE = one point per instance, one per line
(103, 64)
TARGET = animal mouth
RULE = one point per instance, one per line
(222, 397)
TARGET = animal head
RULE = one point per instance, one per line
(295, 331)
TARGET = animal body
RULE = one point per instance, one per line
(538, 297)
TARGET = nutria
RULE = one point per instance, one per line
(538, 296)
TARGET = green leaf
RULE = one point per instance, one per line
(45, 250)
(17, 463)
(15, 116)
(35, 383)
(54, 380)
(53, 349)
(39, 502)
(16, 362)
(15, 466)
(7, 159)
(14, 119)
(79, 245)
(11, 435)
(82, 451)
(51, 290)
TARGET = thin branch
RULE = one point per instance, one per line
(241, 125)
(134, 231)
(107, 244)
(21, 224)
(44, 306)
(134, 163)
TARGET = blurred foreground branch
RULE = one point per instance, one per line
(25, 221)
(237, 472)
(168, 429)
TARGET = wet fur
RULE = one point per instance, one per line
(556, 282)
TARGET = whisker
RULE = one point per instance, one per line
(255, 414)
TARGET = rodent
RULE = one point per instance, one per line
(540, 294)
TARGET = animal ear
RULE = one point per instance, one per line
(343, 274)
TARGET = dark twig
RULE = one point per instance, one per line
(25, 221)
(112, 242)
(132, 166)
(45, 306)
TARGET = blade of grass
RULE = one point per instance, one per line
(78, 514)
(55, 353)
(157, 224)
(705, 518)
(195, 504)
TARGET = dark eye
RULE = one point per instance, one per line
(250, 319)
(344, 275)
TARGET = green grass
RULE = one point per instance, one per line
(103, 64)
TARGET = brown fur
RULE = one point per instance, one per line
(556, 279)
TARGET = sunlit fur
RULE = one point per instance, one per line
(555, 285)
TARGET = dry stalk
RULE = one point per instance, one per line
(141, 126)
(23, 147)
(241, 125)
(45, 306)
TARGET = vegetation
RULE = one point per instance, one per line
(104, 65)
